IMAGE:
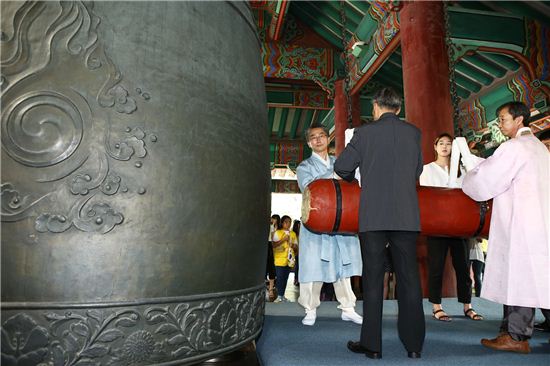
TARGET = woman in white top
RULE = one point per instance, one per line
(436, 174)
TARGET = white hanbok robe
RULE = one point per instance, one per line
(516, 177)
(323, 257)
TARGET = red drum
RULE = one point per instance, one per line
(332, 206)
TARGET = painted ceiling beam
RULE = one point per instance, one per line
(270, 118)
(477, 28)
(282, 124)
(323, 18)
(495, 70)
(366, 28)
(321, 29)
(462, 93)
(352, 13)
(540, 7)
(359, 6)
(385, 80)
(295, 123)
(502, 60)
(307, 120)
(538, 10)
(327, 13)
(467, 83)
(298, 99)
(474, 72)
(278, 19)
(377, 63)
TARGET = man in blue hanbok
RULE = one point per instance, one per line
(322, 257)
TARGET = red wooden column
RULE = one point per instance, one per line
(427, 95)
(355, 110)
(340, 116)
(428, 101)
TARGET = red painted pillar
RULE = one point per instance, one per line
(428, 101)
(340, 116)
(355, 110)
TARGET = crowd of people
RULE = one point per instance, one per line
(385, 156)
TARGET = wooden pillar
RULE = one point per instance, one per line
(355, 110)
(340, 116)
(428, 101)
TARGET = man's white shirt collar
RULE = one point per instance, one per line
(523, 129)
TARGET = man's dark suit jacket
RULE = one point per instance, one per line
(389, 156)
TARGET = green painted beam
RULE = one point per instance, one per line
(502, 60)
(295, 123)
(270, 118)
(396, 59)
(365, 105)
(388, 81)
(307, 120)
(363, 6)
(486, 65)
(519, 8)
(474, 5)
(281, 97)
(475, 73)
(366, 28)
(495, 99)
(326, 118)
(469, 27)
(322, 17)
(282, 125)
(351, 15)
(461, 92)
(330, 12)
(320, 29)
(467, 83)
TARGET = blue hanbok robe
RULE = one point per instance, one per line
(323, 257)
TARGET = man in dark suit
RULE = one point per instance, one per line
(389, 158)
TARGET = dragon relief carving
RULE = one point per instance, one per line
(43, 128)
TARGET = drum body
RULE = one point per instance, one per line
(443, 211)
(130, 131)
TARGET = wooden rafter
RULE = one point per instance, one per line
(278, 19)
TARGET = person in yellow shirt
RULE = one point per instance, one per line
(285, 248)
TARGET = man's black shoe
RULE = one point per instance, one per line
(543, 327)
(356, 347)
(413, 354)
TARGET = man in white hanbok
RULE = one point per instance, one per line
(517, 272)
(322, 257)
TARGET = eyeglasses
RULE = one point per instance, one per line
(318, 137)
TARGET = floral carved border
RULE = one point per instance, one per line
(144, 334)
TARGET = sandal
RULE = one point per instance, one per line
(441, 318)
(471, 314)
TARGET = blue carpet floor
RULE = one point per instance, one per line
(286, 342)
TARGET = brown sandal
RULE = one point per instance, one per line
(471, 314)
(441, 318)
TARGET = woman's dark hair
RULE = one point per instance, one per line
(387, 98)
(448, 135)
(296, 227)
(444, 134)
(277, 220)
(283, 219)
(517, 109)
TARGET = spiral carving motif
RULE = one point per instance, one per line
(41, 128)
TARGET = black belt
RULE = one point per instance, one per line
(483, 209)
(338, 205)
